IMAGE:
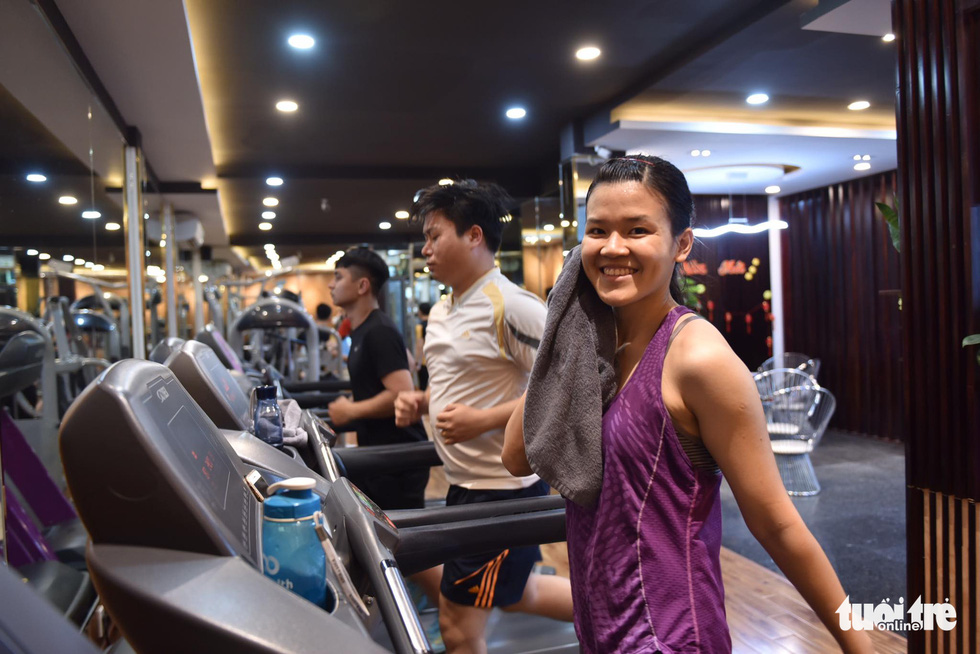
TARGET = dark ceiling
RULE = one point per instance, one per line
(396, 95)
(30, 215)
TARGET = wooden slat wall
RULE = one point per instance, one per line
(841, 282)
(939, 184)
(950, 530)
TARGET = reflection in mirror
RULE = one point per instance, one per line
(61, 255)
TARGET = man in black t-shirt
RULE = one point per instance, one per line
(378, 366)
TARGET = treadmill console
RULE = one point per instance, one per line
(147, 467)
(201, 371)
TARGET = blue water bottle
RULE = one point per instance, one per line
(266, 416)
(291, 551)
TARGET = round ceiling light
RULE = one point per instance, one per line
(864, 165)
(384, 224)
(301, 41)
(273, 181)
(269, 215)
(113, 227)
(270, 202)
(516, 113)
(757, 98)
(445, 181)
(32, 252)
(588, 53)
(44, 256)
(68, 199)
(772, 190)
(888, 38)
(401, 215)
(37, 178)
(287, 106)
(265, 226)
(860, 105)
(91, 214)
(68, 257)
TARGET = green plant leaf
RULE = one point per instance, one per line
(891, 218)
(972, 339)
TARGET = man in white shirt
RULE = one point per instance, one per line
(479, 347)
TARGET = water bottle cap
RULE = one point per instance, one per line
(265, 392)
(295, 499)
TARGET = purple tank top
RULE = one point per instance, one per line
(644, 562)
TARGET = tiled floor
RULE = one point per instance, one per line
(858, 516)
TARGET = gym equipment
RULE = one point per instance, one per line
(270, 327)
(174, 521)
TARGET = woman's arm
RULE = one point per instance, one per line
(514, 457)
(718, 390)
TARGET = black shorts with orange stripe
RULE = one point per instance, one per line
(498, 578)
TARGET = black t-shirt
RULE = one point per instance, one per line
(377, 349)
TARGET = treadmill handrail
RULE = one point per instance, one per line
(405, 518)
(383, 459)
(323, 386)
(420, 548)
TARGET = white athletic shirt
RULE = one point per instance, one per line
(479, 348)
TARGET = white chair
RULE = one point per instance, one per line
(770, 381)
(807, 364)
(797, 418)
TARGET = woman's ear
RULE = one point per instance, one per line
(684, 244)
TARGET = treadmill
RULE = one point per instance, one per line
(175, 523)
(212, 386)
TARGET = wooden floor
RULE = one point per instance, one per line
(765, 613)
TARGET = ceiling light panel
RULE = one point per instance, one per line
(301, 41)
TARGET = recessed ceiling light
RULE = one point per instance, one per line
(44, 256)
(864, 165)
(112, 227)
(445, 181)
(771, 190)
(89, 265)
(270, 202)
(549, 227)
(202, 278)
(757, 98)
(516, 113)
(859, 105)
(857, 157)
(384, 224)
(269, 215)
(588, 53)
(287, 106)
(37, 178)
(888, 38)
(705, 153)
(265, 226)
(273, 181)
(67, 199)
(695, 153)
(32, 252)
(401, 215)
(79, 261)
(91, 214)
(301, 41)
(565, 223)
(68, 257)
(148, 253)
(866, 157)
(98, 267)
(269, 246)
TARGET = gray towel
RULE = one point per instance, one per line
(572, 382)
